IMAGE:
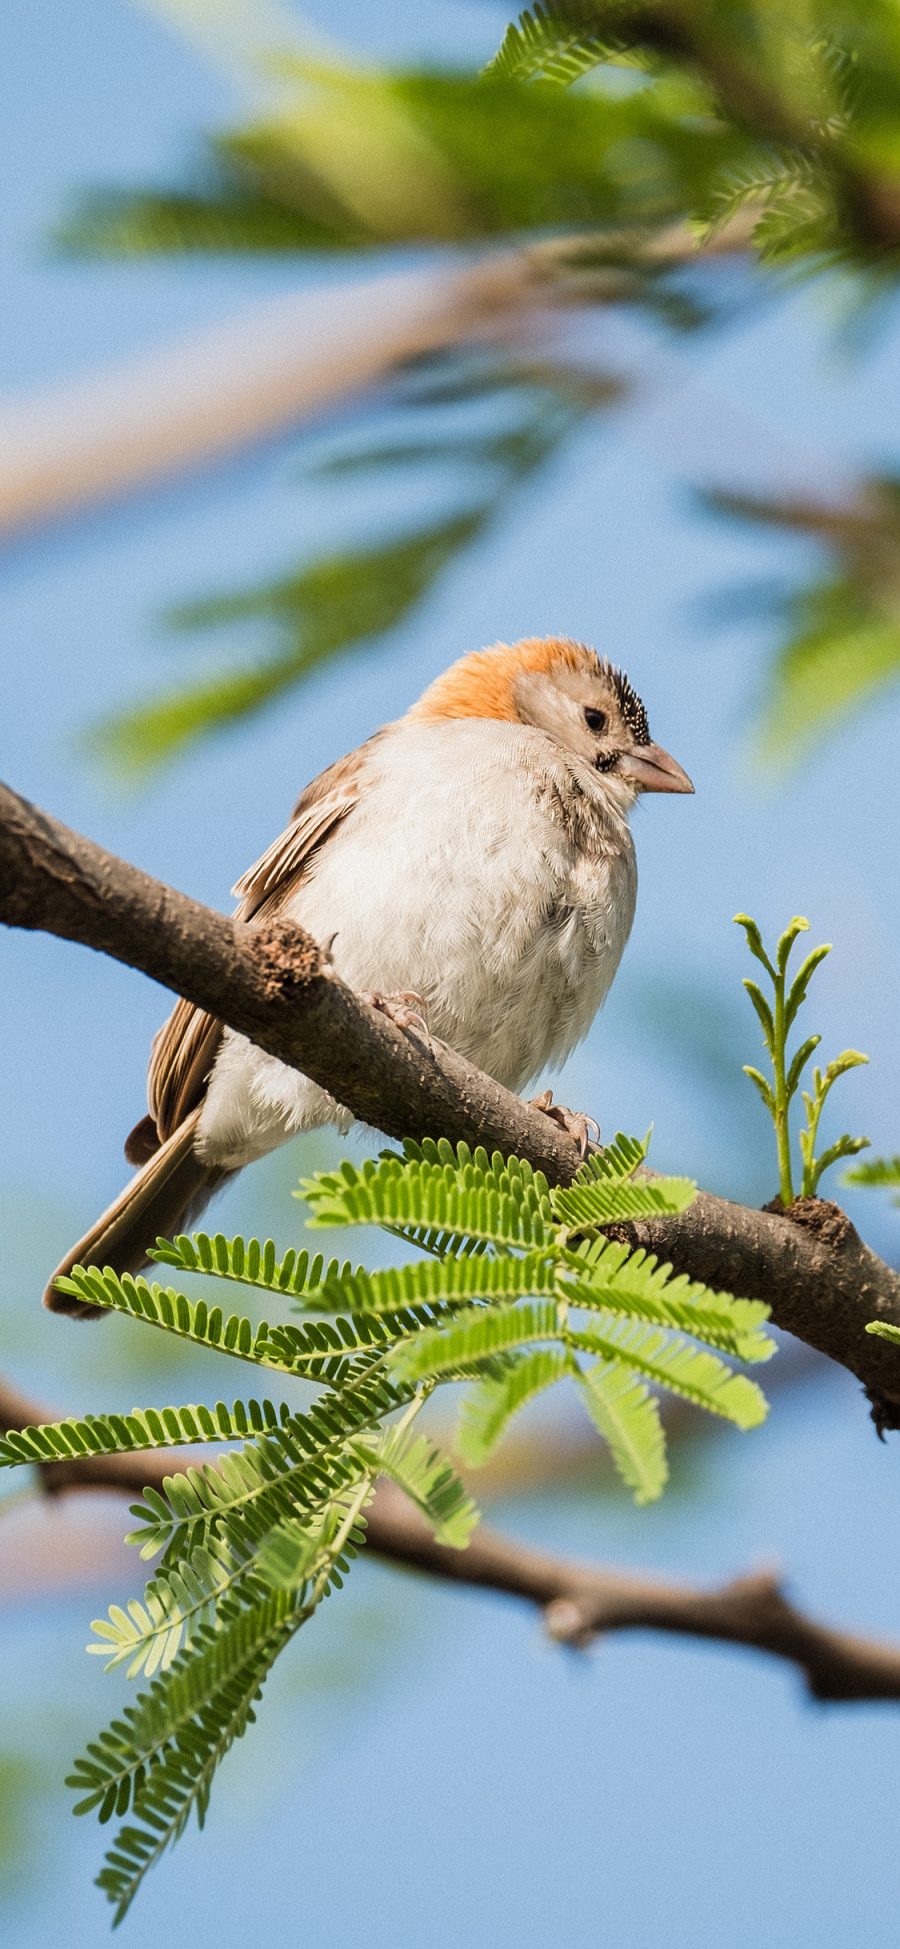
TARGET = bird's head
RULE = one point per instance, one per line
(567, 691)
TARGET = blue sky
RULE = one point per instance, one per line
(426, 1746)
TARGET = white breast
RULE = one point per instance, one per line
(479, 870)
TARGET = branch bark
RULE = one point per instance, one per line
(274, 984)
(578, 1602)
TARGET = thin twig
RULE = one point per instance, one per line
(579, 1602)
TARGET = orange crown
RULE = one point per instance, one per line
(482, 683)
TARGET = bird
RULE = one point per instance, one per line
(473, 857)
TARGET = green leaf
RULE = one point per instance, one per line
(635, 1283)
(279, 1521)
(627, 1417)
(251, 1262)
(797, 992)
(303, 1462)
(799, 1062)
(552, 43)
(767, 1021)
(295, 1552)
(489, 1406)
(337, 603)
(620, 1158)
(675, 1364)
(229, 218)
(754, 941)
(843, 1147)
(840, 644)
(593, 1200)
(467, 1194)
(764, 1088)
(840, 1065)
(796, 927)
(438, 1352)
(427, 1476)
(428, 1288)
(766, 180)
(176, 1605)
(875, 1171)
(125, 1434)
(318, 1349)
(161, 1755)
(884, 1330)
(163, 1307)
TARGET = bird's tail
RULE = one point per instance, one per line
(172, 1186)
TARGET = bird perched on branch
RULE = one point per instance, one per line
(473, 858)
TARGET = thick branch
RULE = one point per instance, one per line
(274, 984)
(579, 1602)
(810, 1265)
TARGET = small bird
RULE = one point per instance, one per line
(474, 858)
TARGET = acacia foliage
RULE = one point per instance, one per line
(693, 129)
(517, 1289)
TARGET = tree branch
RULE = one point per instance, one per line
(275, 985)
(191, 402)
(579, 1602)
(188, 404)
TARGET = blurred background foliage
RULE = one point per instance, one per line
(627, 148)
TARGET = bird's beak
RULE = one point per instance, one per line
(652, 770)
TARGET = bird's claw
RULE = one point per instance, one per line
(405, 1009)
(574, 1122)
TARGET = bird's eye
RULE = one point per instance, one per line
(596, 721)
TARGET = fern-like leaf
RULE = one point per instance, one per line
(251, 1262)
(880, 1171)
(148, 1634)
(610, 1275)
(162, 1306)
(426, 1475)
(459, 1192)
(461, 1347)
(319, 1348)
(489, 1407)
(676, 1365)
(563, 42)
(125, 1434)
(627, 1417)
(160, 1757)
(453, 1282)
(303, 1461)
(597, 1199)
(620, 1158)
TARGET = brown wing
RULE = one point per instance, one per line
(181, 1058)
(185, 1048)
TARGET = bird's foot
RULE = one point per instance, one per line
(574, 1122)
(405, 1009)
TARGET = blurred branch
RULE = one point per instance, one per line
(274, 984)
(841, 629)
(520, 413)
(244, 381)
(579, 1602)
(188, 404)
